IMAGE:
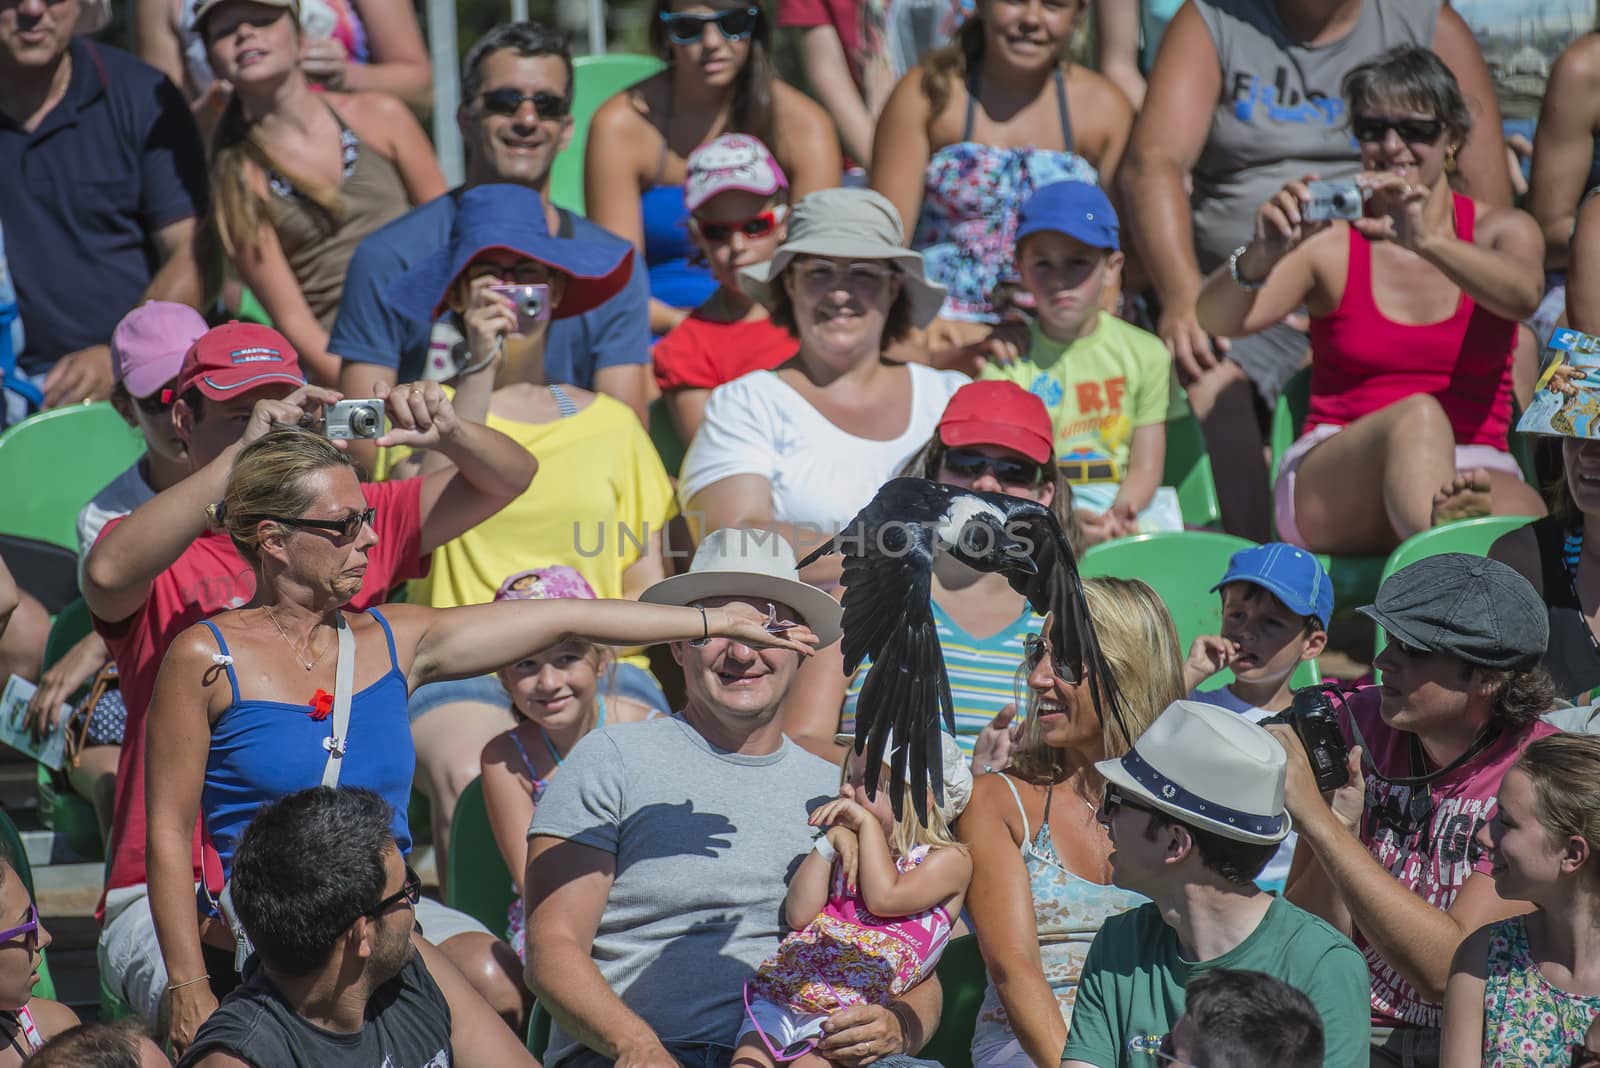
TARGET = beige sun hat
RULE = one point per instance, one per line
(1211, 768)
(858, 224)
(752, 565)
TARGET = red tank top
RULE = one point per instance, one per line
(1362, 361)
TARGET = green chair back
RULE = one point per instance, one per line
(71, 625)
(64, 457)
(664, 436)
(477, 881)
(60, 809)
(11, 842)
(538, 1030)
(1181, 566)
(1289, 415)
(594, 79)
(1188, 470)
(963, 979)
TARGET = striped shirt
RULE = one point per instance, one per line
(983, 672)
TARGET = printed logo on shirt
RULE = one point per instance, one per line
(1277, 101)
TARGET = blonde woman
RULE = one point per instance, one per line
(1041, 883)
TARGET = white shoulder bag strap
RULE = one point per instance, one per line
(343, 679)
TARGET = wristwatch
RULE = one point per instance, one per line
(1238, 279)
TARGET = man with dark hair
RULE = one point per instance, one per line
(101, 1045)
(338, 975)
(515, 117)
(1394, 861)
(1240, 1019)
(1195, 811)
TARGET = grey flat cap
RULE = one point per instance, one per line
(1469, 607)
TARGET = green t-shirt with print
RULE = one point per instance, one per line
(1132, 988)
(1098, 390)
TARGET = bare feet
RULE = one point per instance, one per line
(1463, 497)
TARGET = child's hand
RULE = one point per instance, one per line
(843, 811)
(1209, 654)
(848, 846)
(1097, 527)
(1124, 519)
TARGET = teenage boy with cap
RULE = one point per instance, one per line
(658, 858)
(1194, 810)
(1394, 860)
(1109, 386)
(161, 569)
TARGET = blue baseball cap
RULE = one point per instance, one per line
(1077, 209)
(1289, 573)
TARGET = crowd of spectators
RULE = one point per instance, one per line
(565, 563)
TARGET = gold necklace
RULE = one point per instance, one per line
(298, 654)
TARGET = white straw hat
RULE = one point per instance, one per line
(1210, 768)
(752, 565)
(957, 772)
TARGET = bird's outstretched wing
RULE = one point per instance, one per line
(888, 567)
(1056, 590)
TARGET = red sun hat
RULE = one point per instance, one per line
(237, 357)
(999, 413)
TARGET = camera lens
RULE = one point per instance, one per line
(530, 307)
(364, 421)
(1344, 200)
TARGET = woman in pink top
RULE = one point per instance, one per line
(1414, 309)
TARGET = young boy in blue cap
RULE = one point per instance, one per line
(1108, 385)
(1276, 603)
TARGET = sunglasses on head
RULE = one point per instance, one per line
(1371, 129)
(734, 24)
(29, 928)
(347, 528)
(968, 463)
(410, 891)
(756, 226)
(508, 101)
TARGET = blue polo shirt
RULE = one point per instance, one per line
(369, 329)
(83, 197)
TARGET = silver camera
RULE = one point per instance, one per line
(356, 419)
(1341, 199)
(532, 303)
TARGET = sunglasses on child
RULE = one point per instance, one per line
(734, 24)
(756, 226)
(508, 101)
(968, 463)
(1371, 129)
(347, 528)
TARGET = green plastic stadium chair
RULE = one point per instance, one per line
(1182, 566)
(60, 459)
(60, 809)
(478, 882)
(1188, 469)
(963, 978)
(538, 1030)
(595, 78)
(11, 842)
(664, 436)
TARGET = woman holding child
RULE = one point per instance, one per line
(1041, 883)
(1414, 308)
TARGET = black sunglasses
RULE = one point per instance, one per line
(410, 891)
(346, 528)
(734, 24)
(1115, 799)
(1374, 128)
(157, 403)
(508, 101)
(1033, 649)
(968, 463)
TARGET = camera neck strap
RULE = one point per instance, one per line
(344, 678)
(1419, 775)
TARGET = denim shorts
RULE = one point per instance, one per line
(625, 680)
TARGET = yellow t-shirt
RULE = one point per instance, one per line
(599, 494)
(1098, 390)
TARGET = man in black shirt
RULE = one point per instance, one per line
(338, 975)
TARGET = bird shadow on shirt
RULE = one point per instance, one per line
(660, 831)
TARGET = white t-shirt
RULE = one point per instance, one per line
(121, 495)
(821, 475)
(1277, 870)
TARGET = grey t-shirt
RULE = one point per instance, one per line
(705, 842)
(1281, 114)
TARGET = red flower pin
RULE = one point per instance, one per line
(321, 705)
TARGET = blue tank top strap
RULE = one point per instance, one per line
(972, 101)
(226, 658)
(1061, 103)
(565, 405)
(394, 660)
(523, 753)
(974, 74)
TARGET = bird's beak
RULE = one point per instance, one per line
(1018, 557)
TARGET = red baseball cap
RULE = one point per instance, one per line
(237, 357)
(999, 413)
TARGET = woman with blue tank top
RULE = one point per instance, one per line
(246, 708)
(972, 131)
(719, 78)
(1041, 884)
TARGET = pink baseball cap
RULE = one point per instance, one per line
(555, 582)
(237, 357)
(148, 345)
(731, 162)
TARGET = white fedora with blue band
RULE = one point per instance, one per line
(1210, 768)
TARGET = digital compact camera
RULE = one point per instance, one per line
(356, 419)
(1341, 199)
(1312, 717)
(532, 303)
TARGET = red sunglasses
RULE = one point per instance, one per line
(755, 226)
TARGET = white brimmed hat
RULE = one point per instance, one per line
(1211, 768)
(857, 224)
(957, 773)
(751, 565)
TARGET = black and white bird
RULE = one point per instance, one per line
(889, 550)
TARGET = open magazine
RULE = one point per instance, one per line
(49, 750)
(1567, 400)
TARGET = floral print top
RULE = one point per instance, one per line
(1526, 1021)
